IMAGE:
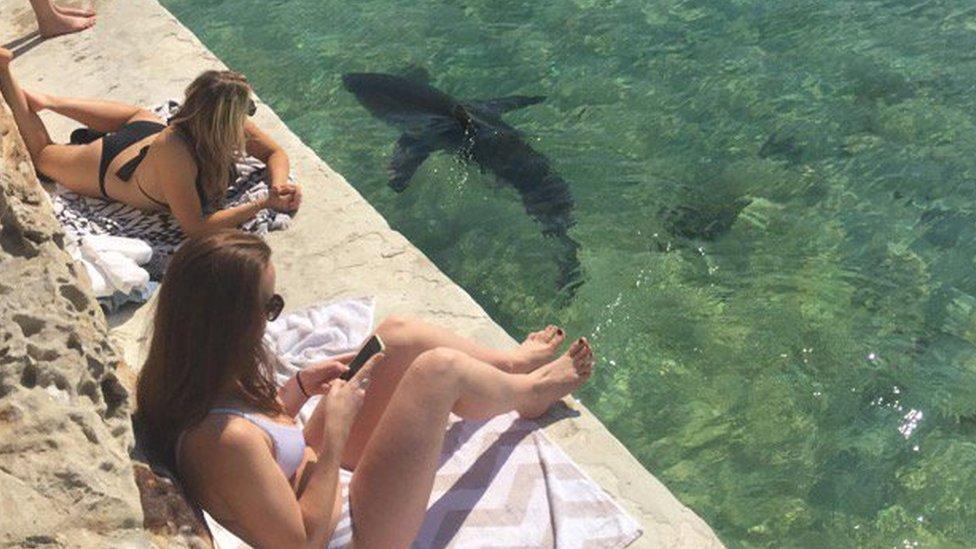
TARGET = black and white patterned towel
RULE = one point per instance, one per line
(81, 215)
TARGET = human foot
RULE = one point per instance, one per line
(558, 378)
(78, 12)
(37, 102)
(60, 23)
(537, 349)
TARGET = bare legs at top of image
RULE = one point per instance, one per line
(56, 20)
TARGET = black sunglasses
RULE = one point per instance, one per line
(252, 107)
(274, 307)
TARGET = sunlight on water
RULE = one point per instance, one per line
(774, 202)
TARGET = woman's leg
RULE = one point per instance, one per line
(97, 114)
(54, 21)
(392, 485)
(406, 338)
(31, 128)
(75, 167)
(415, 336)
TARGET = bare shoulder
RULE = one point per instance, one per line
(170, 147)
(220, 437)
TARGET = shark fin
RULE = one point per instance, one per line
(504, 104)
(408, 154)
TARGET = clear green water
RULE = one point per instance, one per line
(735, 368)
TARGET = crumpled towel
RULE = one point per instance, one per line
(317, 333)
(112, 263)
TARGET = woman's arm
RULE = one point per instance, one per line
(176, 171)
(263, 504)
(237, 465)
(291, 396)
(315, 380)
(102, 116)
(261, 146)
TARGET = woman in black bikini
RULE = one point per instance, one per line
(134, 158)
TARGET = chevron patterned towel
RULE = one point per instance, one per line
(503, 483)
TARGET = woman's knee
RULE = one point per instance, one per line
(395, 329)
(436, 366)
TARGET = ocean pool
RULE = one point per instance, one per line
(775, 208)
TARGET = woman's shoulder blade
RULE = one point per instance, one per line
(172, 146)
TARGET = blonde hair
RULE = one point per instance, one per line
(212, 119)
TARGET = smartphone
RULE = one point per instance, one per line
(372, 346)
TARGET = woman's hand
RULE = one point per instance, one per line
(317, 378)
(290, 190)
(343, 401)
(284, 198)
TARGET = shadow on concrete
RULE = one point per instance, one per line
(122, 315)
(24, 44)
(558, 412)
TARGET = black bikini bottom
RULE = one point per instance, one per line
(114, 143)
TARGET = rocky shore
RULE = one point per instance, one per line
(66, 473)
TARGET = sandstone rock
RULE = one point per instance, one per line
(168, 515)
(65, 474)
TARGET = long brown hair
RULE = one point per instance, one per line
(212, 120)
(207, 332)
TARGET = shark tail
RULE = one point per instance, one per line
(570, 276)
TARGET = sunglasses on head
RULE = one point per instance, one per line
(252, 107)
(274, 307)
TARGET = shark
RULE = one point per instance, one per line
(430, 120)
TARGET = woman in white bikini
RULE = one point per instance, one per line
(129, 155)
(207, 399)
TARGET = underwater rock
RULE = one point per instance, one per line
(785, 148)
(703, 221)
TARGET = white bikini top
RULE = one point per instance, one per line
(288, 440)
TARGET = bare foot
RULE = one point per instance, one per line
(6, 56)
(78, 12)
(537, 349)
(559, 378)
(61, 23)
(37, 102)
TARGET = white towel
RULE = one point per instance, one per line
(112, 263)
(318, 333)
(132, 248)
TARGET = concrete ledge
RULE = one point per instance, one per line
(339, 245)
